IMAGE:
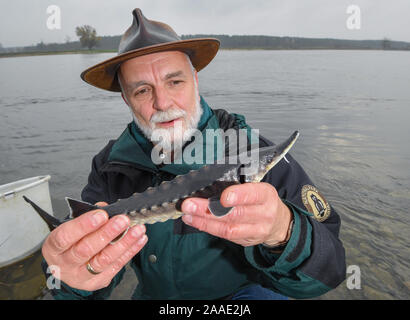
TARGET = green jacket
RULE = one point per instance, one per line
(195, 265)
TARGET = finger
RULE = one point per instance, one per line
(64, 236)
(115, 267)
(240, 214)
(197, 206)
(248, 194)
(112, 253)
(104, 278)
(221, 229)
(101, 204)
(93, 243)
(249, 214)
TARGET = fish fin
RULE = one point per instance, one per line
(52, 222)
(217, 209)
(77, 207)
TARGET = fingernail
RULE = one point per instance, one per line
(120, 223)
(231, 197)
(98, 218)
(142, 240)
(191, 207)
(136, 231)
(187, 218)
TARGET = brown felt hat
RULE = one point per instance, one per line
(144, 37)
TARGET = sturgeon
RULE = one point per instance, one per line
(161, 203)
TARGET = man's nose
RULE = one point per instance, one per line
(162, 100)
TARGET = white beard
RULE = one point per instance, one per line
(175, 135)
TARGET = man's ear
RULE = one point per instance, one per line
(196, 79)
(122, 92)
(123, 98)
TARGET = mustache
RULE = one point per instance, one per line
(168, 115)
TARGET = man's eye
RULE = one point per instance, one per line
(141, 92)
(176, 82)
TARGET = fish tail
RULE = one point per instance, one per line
(52, 222)
(77, 207)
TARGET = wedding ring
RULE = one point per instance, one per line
(115, 240)
(91, 270)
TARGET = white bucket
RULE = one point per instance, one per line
(22, 230)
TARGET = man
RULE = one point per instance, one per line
(267, 247)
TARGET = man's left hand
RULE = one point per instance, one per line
(258, 216)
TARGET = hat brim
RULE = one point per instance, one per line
(103, 75)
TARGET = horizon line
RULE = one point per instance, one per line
(229, 35)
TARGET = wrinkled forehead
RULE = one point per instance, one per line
(159, 61)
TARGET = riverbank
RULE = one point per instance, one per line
(47, 53)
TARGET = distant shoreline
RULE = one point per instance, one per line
(107, 44)
(47, 53)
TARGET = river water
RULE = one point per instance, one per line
(351, 108)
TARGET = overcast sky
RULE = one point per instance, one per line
(24, 22)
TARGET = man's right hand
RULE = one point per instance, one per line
(86, 239)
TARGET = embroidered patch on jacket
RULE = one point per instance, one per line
(315, 203)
